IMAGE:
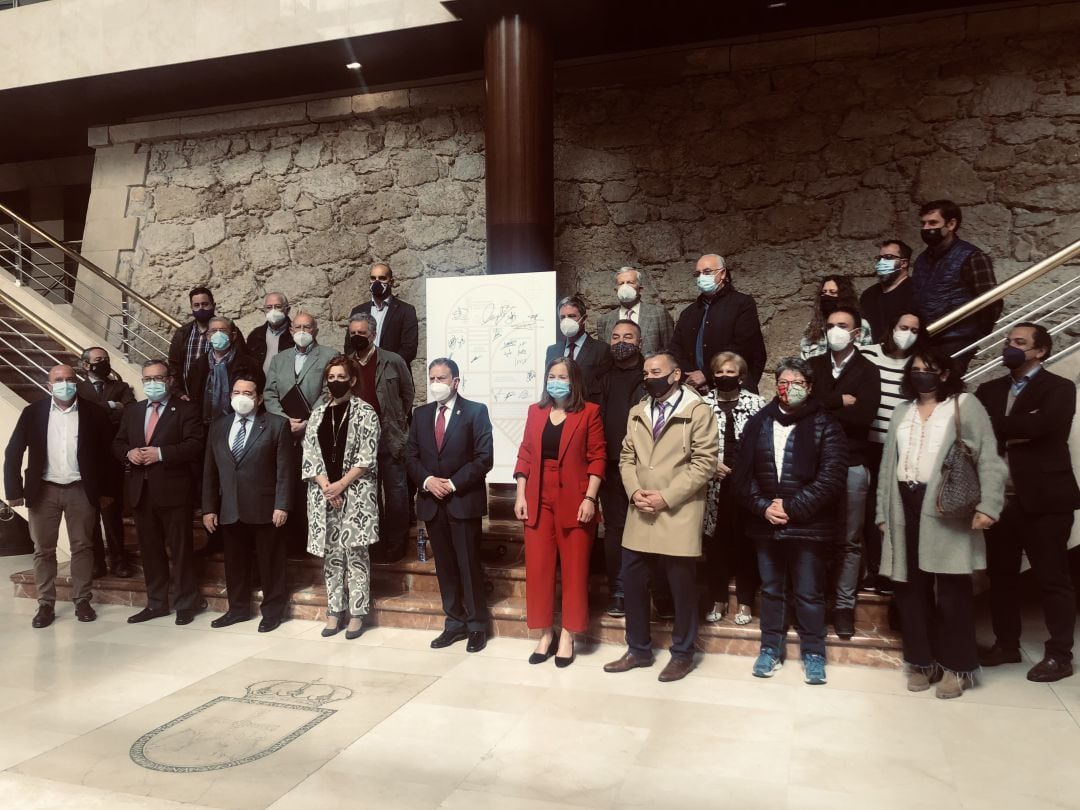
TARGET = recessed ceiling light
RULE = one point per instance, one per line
(354, 66)
(775, 5)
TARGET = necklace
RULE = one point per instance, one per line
(336, 427)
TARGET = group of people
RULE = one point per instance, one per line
(654, 429)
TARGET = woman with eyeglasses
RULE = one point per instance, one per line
(835, 291)
(930, 557)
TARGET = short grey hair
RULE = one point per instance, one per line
(85, 356)
(664, 353)
(220, 319)
(796, 364)
(156, 361)
(574, 301)
(365, 317)
(628, 269)
(284, 298)
(717, 256)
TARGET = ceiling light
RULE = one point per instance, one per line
(775, 5)
(354, 66)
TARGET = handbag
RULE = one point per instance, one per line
(960, 491)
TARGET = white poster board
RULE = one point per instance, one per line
(497, 329)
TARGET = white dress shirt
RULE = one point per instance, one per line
(670, 404)
(780, 436)
(629, 313)
(578, 342)
(919, 443)
(235, 428)
(62, 451)
(378, 312)
(301, 358)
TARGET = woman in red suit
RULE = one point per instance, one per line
(559, 469)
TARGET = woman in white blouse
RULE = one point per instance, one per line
(929, 557)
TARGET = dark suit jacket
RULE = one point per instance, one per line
(467, 454)
(400, 332)
(115, 390)
(732, 325)
(248, 490)
(179, 434)
(581, 453)
(200, 372)
(1036, 433)
(31, 433)
(862, 380)
(595, 360)
(256, 342)
(177, 354)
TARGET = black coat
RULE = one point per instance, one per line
(811, 503)
(732, 325)
(179, 433)
(177, 355)
(256, 342)
(400, 332)
(114, 390)
(250, 488)
(31, 433)
(200, 373)
(1037, 430)
(466, 457)
(862, 380)
(595, 361)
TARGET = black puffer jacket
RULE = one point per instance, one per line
(811, 504)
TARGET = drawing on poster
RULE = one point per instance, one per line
(497, 328)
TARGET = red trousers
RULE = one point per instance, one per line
(546, 544)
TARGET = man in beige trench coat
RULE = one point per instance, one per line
(668, 456)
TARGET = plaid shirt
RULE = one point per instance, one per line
(198, 344)
(977, 273)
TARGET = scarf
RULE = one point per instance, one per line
(218, 390)
(805, 446)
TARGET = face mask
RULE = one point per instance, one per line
(439, 391)
(359, 343)
(904, 339)
(63, 391)
(1012, 357)
(275, 317)
(569, 327)
(726, 384)
(623, 351)
(203, 315)
(828, 304)
(379, 289)
(707, 284)
(558, 389)
(242, 404)
(219, 341)
(338, 388)
(925, 382)
(627, 293)
(658, 386)
(101, 369)
(303, 339)
(932, 236)
(886, 267)
(155, 391)
(792, 396)
(838, 338)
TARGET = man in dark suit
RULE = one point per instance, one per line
(653, 320)
(720, 320)
(67, 437)
(160, 442)
(191, 341)
(590, 354)
(1032, 411)
(449, 453)
(396, 328)
(267, 339)
(208, 381)
(246, 491)
(106, 390)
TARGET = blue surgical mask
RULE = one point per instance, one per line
(220, 341)
(155, 391)
(707, 284)
(64, 391)
(886, 267)
(559, 389)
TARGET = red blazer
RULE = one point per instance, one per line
(581, 454)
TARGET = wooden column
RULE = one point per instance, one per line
(519, 143)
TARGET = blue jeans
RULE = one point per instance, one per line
(804, 562)
(849, 537)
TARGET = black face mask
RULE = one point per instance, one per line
(932, 236)
(101, 369)
(359, 343)
(380, 289)
(658, 386)
(338, 388)
(925, 382)
(725, 384)
(624, 351)
(828, 304)
(203, 315)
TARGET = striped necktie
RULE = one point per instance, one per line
(240, 440)
(658, 425)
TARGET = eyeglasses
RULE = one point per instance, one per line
(158, 378)
(890, 256)
(784, 385)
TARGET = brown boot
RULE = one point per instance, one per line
(919, 679)
(952, 685)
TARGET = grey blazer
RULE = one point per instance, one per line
(655, 321)
(280, 377)
(250, 488)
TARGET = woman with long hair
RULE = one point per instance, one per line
(835, 291)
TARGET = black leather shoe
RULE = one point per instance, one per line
(146, 614)
(228, 618)
(121, 568)
(100, 570)
(1050, 669)
(84, 612)
(359, 631)
(561, 662)
(268, 625)
(477, 641)
(448, 637)
(844, 623)
(44, 616)
(185, 616)
(539, 658)
(995, 656)
(617, 608)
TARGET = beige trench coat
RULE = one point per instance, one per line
(679, 463)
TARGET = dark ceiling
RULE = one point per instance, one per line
(51, 120)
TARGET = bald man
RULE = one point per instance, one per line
(68, 439)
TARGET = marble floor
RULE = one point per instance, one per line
(109, 715)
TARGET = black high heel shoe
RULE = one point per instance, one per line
(539, 658)
(565, 662)
(327, 632)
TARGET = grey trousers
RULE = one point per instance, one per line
(849, 537)
(53, 502)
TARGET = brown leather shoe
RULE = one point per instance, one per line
(628, 662)
(1050, 669)
(676, 669)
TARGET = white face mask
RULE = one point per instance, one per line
(904, 339)
(242, 404)
(439, 392)
(275, 317)
(569, 327)
(627, 293)
(303, 339)
(839, 338)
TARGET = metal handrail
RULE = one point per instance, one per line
(41, 324)
(93, 268)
